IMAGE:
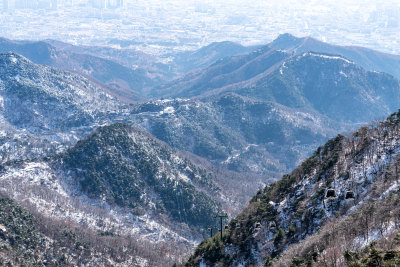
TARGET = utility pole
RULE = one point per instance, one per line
(210, 230)
(221, 216)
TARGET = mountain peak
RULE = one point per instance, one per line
(286, 41)
(286, 36)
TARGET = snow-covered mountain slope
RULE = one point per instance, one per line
(239, 133)
(47, 133)
(224, 72)
(28, 238)
(329, 84)
(313, 205)
(324, 83)
(122, 180)
(102, 65)
(42, 108)
(56, 195)
(367, 58)
(187, 61)
(39, 98)
(132, 169)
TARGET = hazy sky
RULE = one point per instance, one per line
(172, 24)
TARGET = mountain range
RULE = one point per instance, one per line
(314, 81)
(369, 59)
(127, 74)
(127, 83)
(79, 149)
(239, 133)
(185, 62)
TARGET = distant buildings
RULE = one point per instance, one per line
(107, 3)
(32, 4)
(114, 3)
(99, 3)
(5, 5)
(54, 4)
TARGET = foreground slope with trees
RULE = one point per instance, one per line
(340, 206)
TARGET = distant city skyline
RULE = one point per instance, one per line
(161, 26)
(54, 4)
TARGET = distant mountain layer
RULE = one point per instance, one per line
(330, 85)
(126, 83)
(339, 205)
(327, 84)
(369, 59)
(127, 74)
(127, 57)
(224, 72)
(205, 56)
(176, 64)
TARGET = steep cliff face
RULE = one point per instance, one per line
(340, 199)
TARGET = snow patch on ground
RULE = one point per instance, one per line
(363, 241)
(282, 67)
(237, 154)
(343, 74)
(56, 194)
(13, 59)
(392, 188)
(327, 57)
(167, 110)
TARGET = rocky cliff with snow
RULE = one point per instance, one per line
(330, 210)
